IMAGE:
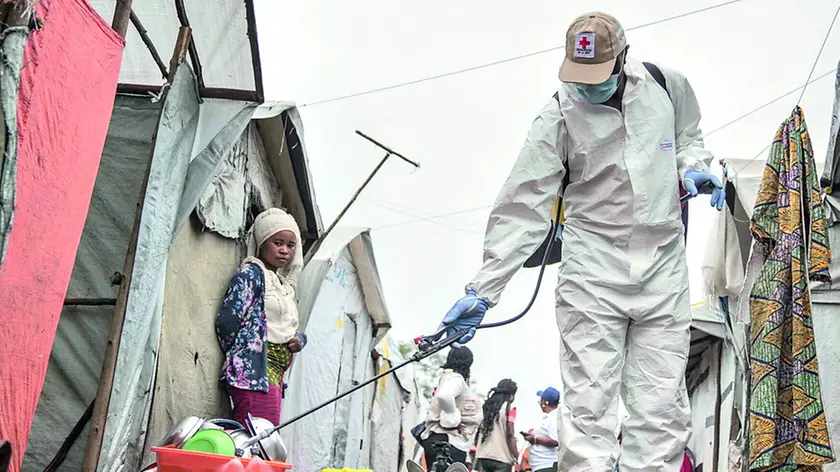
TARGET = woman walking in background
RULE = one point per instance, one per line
(496, 438)
(257, 324)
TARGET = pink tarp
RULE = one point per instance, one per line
(68, 82)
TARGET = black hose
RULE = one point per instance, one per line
(430, 344)
(555, 228)
(707, 186)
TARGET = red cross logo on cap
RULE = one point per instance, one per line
(584, 42)
(585, 45)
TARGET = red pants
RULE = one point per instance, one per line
(258, 404)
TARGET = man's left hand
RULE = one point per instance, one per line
(530, 438)
(695, 179)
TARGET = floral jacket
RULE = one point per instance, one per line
(242, 332)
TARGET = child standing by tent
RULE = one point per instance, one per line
(257, 324)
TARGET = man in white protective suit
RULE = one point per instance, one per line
(627, 140)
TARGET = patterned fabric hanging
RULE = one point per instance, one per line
(788, 430)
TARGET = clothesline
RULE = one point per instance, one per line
(507, 60)
(425, 216)
(807, 82)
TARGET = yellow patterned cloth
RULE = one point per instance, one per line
(787, 422)
(279, 359)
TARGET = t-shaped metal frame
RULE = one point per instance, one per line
(390, 152)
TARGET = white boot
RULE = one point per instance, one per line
(413, 466)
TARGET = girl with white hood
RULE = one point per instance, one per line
(257, 325)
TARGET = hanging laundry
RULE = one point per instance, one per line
(788, 430)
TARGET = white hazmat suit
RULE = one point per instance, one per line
(622, 292)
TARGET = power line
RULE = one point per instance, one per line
(745, 115)
(394, 207)
(805, 87)
(434, 217)
(756, 110)
(509, 59)
(817, 60)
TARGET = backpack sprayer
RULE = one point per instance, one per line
(429, 345)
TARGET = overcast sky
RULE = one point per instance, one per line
(466, 129)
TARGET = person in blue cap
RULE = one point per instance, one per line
(544, 439)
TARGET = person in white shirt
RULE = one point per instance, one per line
(542, 455)
(456, 411)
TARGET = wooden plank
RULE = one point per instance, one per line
(106, 378)
(90, 302)
(251, 18)
(122, 16)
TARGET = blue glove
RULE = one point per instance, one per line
(694, 179)
(466, 313)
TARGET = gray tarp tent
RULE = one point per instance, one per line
(214, 163)
(213, 151)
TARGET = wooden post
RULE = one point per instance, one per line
(251, 18)
(181, 10)
(106, 378)
(122, 16)
(144, 35)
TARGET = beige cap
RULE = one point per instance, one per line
(593, 42)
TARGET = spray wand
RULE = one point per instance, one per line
(429, 345)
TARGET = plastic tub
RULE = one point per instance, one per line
(211, 441)
(179, 460)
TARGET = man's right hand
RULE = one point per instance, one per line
(466, 313)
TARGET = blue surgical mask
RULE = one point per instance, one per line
(599, 93)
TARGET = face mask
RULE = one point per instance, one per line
(599, 93)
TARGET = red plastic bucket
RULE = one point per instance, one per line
(179, 460)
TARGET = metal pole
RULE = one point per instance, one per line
(320, 240)
(390, 152)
